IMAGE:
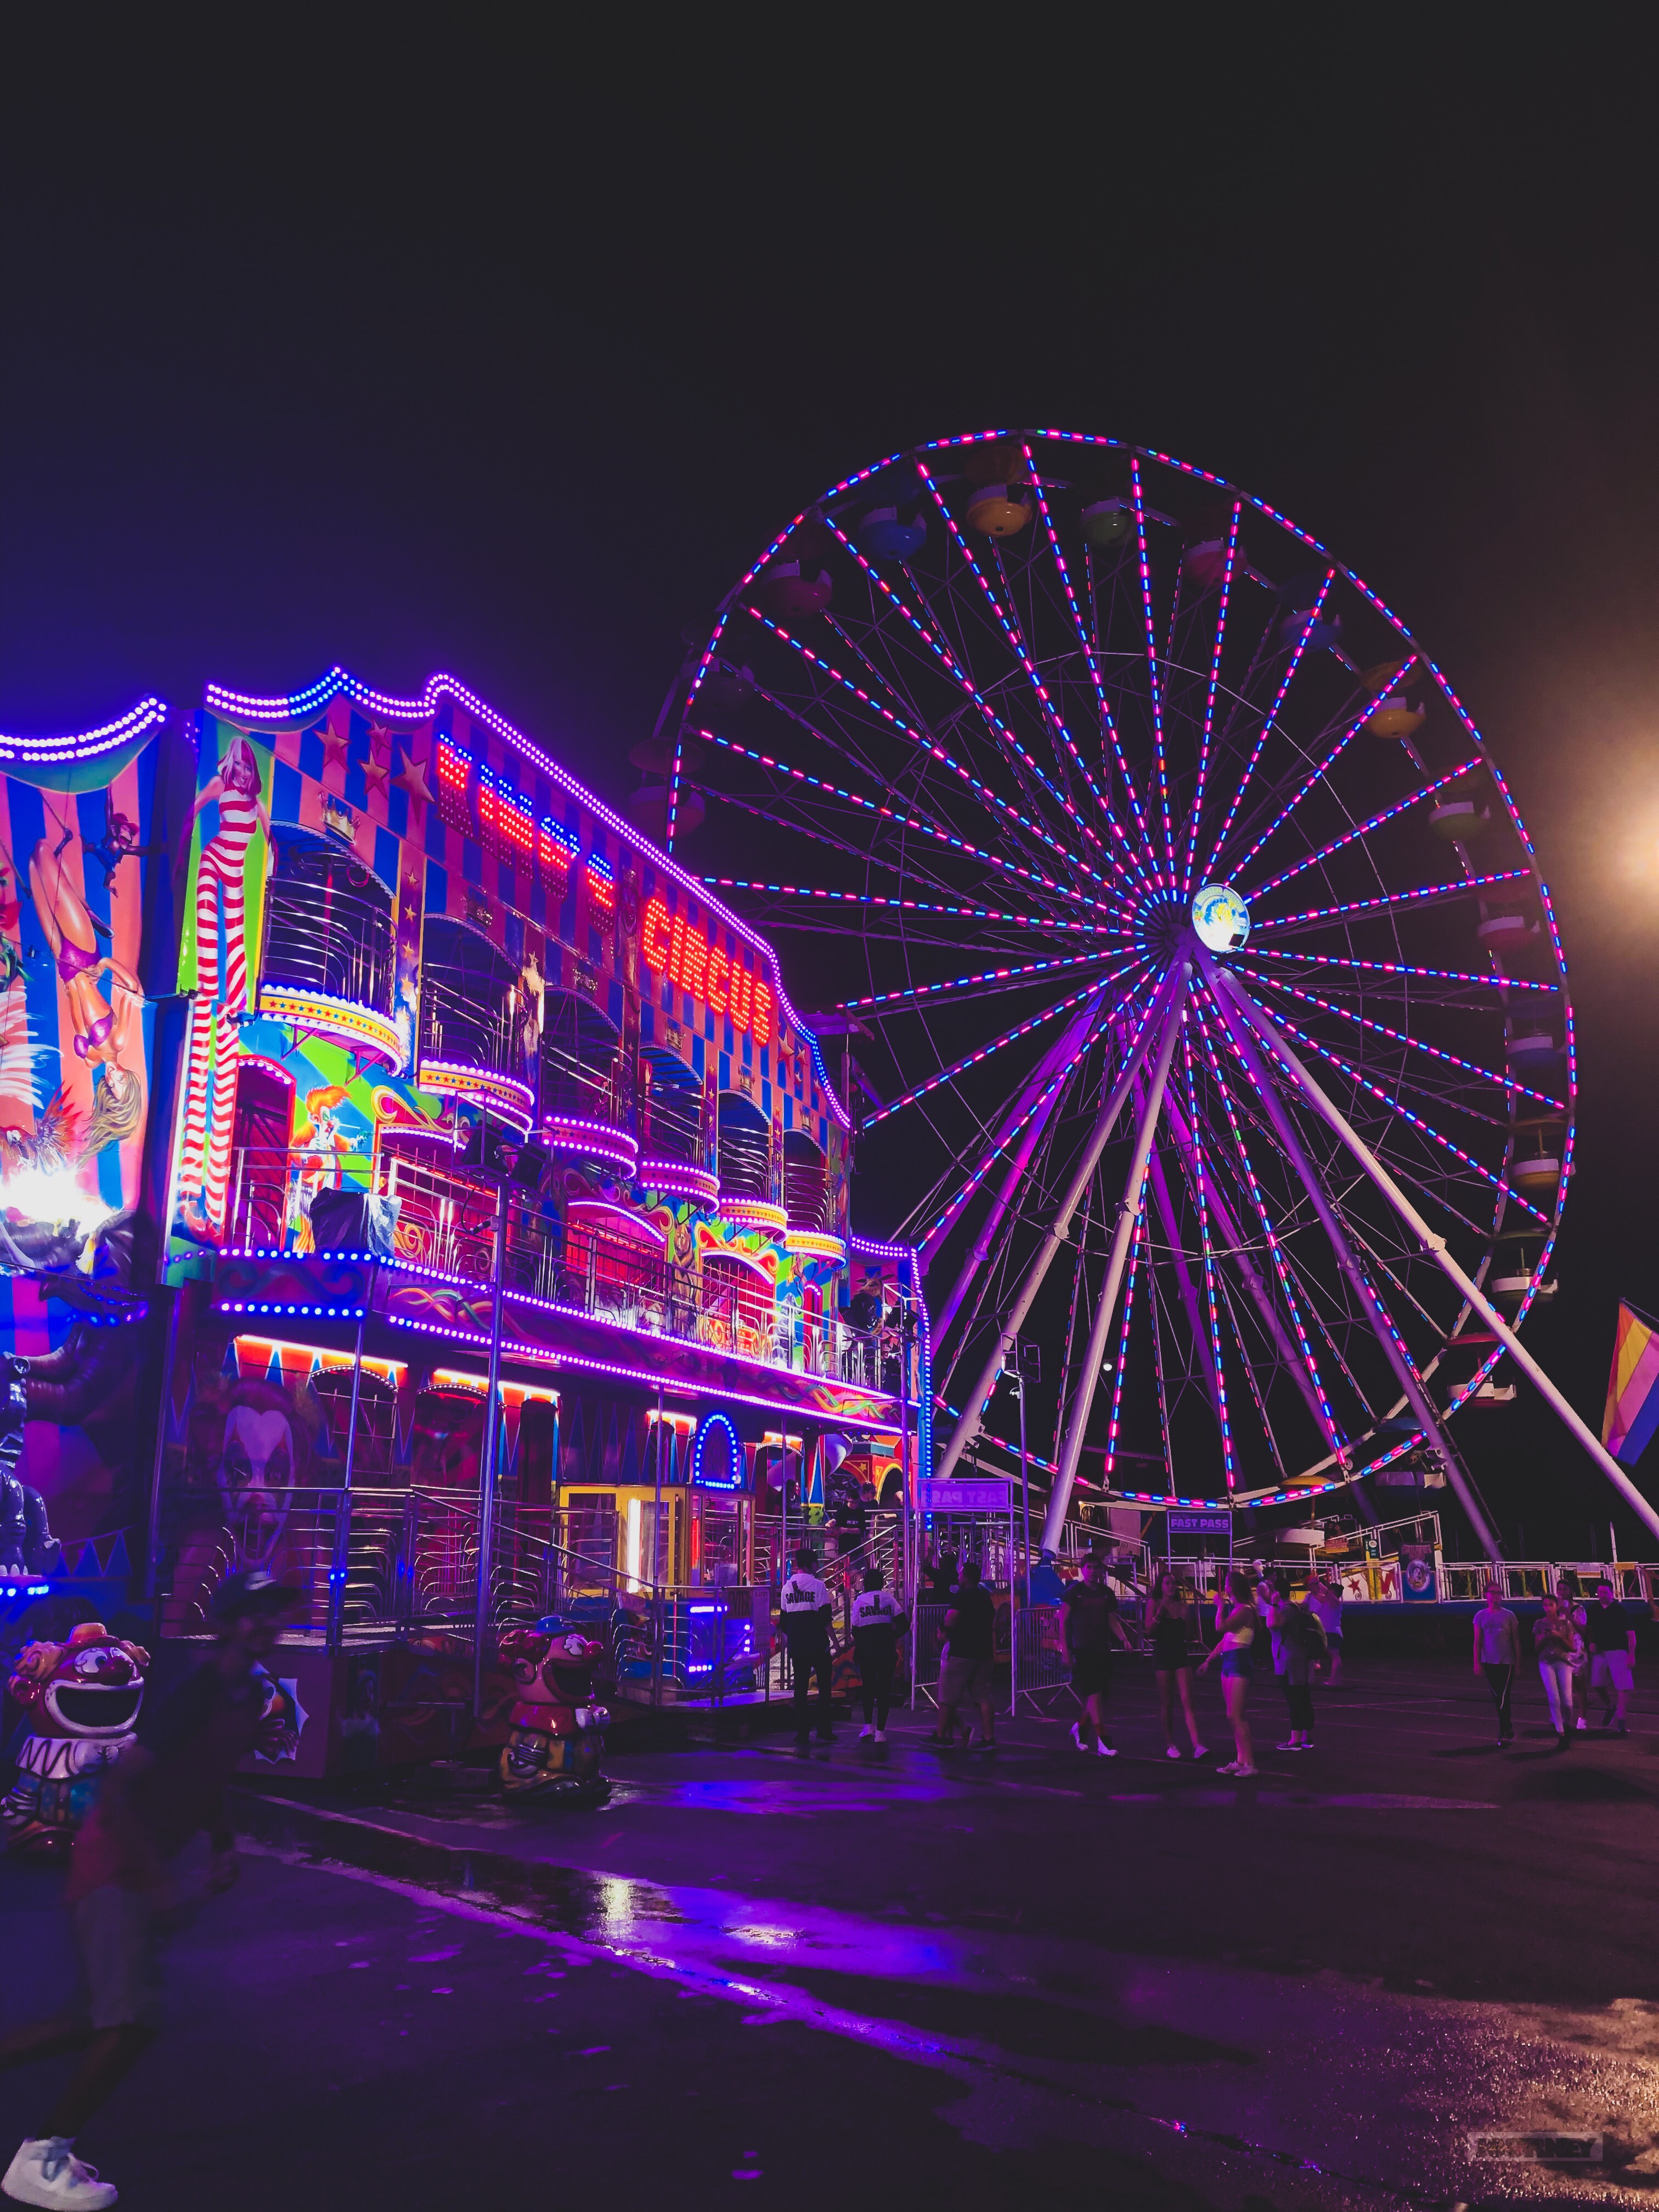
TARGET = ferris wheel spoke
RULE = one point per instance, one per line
(981, 1052)
(1415, 1120)
(1425, 893)
(1324, 768)
(924, 742)
(1491, 980)
(1008, 977)
(840, 795)
(797, 828)
(1503, 1082)
(1158, 755)
(1059, 734)
(1250, 1382)
(934, 639)
(705, 662)
(1209, 702)
(1091, 660)
(1270, 720)
(1364, 829)
(1137, 1248)
(876, 899)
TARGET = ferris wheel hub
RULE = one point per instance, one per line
(1221, 918)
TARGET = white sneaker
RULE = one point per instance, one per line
(47, 2171)
(1231, 1767)
(1077, 1736)
(866, 1731)
(1103, 1749)
(1582, 1722)
(1172, 1752)
(880, 1736)
(1200, 1751)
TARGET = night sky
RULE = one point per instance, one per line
(505, 356)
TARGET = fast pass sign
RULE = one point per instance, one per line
(681, 951)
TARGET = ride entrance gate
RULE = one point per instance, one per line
(975, 1519)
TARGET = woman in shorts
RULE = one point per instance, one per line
(1170, 1622)
(1237, 1622)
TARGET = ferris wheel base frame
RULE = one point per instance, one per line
(1249, 1028)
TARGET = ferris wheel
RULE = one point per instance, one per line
(1211, 1004)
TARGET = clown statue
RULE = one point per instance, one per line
(80, 1702)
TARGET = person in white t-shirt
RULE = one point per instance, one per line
(877, 1625)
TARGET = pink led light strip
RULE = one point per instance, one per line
(1207, 1247)
(1392, 899)
(301, 706)
(1152, 671)
(1209, 702)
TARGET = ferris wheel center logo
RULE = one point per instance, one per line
(1221, 918)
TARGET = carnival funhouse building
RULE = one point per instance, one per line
(465, 1078)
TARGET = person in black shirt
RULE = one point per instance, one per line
(806, 1609)
(1611, 1642)
(1089, 1623)
(970, 1625)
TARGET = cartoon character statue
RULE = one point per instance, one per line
(558, 1734)
(80, 1702)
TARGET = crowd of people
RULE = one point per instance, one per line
(1584, 1650)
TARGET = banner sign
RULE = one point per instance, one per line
(1199, 1524)
(977, 1495)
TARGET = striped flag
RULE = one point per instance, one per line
(1632, 1413)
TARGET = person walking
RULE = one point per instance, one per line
(166, 1787)
(1237, 1622)
(1169, 1622)
(1325, 1600)
(1298, 1642)
(1497, 1654)
(1089, 1622)
(806, 1611)
(1552, 1640)
(1610, 1639)
(970, 1625)
(877, 1625)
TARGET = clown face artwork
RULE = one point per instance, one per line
(558, 1734)
(80, 1702)
(256, 1476)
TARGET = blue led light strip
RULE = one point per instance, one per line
(984, 1051)
(1152, 671)
(1427, 791)
(1453, 890)
(1324, 768)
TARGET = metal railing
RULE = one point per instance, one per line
(329, 929)
(447, 1222)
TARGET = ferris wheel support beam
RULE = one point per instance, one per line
(1243, 1029)
(1261, 1297)
(1435, 1246)
(1183, 1274)
(1050, 1077)
(1171, 991)
(1059, 1496)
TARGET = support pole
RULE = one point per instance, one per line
(1241, 1030)
(340, 1564)
(973, 1412)
(487, 1469)
(1435, 1246)
(1099, 1334)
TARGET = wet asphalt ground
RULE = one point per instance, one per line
(898, 1977)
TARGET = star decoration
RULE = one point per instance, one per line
(382, 740)
(375, 773)
(411, 778)
(336, 747)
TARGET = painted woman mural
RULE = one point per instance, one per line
(221, 985)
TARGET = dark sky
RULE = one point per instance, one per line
(413, 348)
